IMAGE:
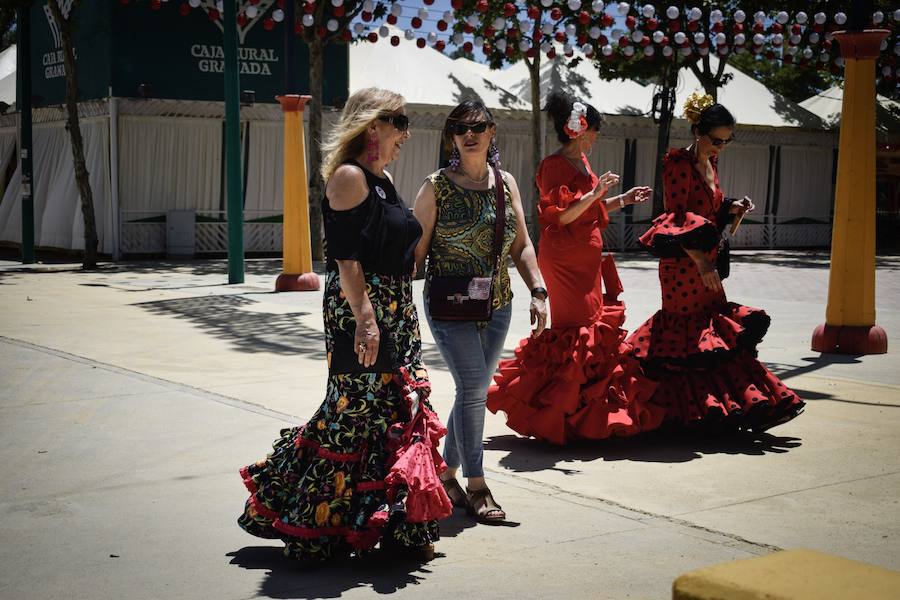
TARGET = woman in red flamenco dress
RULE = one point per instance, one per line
(576, 380)
(700, 348)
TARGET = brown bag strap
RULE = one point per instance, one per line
(500, 228)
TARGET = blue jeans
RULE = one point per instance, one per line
(472, 355)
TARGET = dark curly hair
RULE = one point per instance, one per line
(468, 107)
(712, 117)
(558, 108)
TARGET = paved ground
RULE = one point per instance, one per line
(131, 396)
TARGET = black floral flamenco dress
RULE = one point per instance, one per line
(701, 348)
(365, 467)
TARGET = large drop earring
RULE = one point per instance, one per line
(372, 149)
(454, 159)
(494, 153)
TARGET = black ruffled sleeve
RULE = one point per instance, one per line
(344, 231)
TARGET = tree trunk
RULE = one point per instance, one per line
(669, 81)
(82, 178)
(537, 141)
(316, 185)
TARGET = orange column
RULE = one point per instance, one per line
(297, 272)
(849, 326)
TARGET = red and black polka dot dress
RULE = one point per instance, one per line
(700, 347)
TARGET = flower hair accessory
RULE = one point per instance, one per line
(576, 124)
(696, 104)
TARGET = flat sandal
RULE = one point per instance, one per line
(455, 492)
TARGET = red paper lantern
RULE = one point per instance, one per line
(551, 53)
(241, 20)
(213, 14)
(489, 32)
(581, 39)
(339, 11)
(510, 51)
(796, 29)
(268, 24)
(467, 47)
(777, 28)
(623, 41)
(456, 4)
(509, 9)
(737, 28)
(430, 2)
(440, 45)
(674, 25)
(652, 24)
(373, 37)
(392, 19)
(184, 9)
(630, 21)
(512, 33)
(395, 40)
(693, 25)
(607, 20)
(482, 6)
(365, 15)
(556, 14)
(718, 27)
(421, 41)
(442, 25)
(487, 49)
(298, 27)
(468, 28)
(534, 12)
(345, 35)
(561, 37)
(321, 32)
(531, 53)
(584, 18)
(310, 8)
(416, 22)
(645, 41)
(155, 4)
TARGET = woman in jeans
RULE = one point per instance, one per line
(457, 210)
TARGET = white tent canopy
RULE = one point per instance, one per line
(827, 106)
(8, 75)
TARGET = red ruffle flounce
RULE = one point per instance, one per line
(670, 234)
(575, 383)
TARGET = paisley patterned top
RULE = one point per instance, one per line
(463, 239)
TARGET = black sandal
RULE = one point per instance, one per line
(454, 492)
(481, 505)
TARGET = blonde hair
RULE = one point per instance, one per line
(348, 137)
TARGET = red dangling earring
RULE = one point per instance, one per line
(372, 149)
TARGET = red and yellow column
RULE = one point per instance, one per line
(849, 326)
(297, 272)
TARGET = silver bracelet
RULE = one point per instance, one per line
(621, 202)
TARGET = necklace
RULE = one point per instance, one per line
(472, 179)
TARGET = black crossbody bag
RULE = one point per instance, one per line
(468, 298)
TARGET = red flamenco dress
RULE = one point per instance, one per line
(700, 347)
(577, 379)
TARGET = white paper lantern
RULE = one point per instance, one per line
(648, 11)
(396, 9)
(721, 38)
(782, 17)
(840, 18)
(458, 38)
(597, 6)
(667, 51)
(423, 13)
(791, 50)
(472, 20)
(220, 6)
(704, 51)
(795, 39)
(778, 39)
(547, 28)
(308, 20)
(637, 36)
(820, 18)
(251, 11)
(358, 28)
(574, 4)
(740, 16)
(194, 3)
(897, 15)
(716, 16)
(409, 34)
(628, 51)
(501, 45)
(546, 3)
(884, 44)
(447, 16)
(679, 37)
(695, 14)
(368, 6)
(524, 45)
(739, 39)
(336, 3)
(801, 17)
(278, 15)
(649, 51)
(699, 38)
(545, 47)
(672, 12)
(824, 57)
(658, 36)
(383, 31)
(807, 53)
(432, 38)
(839, 61)
(814, 38)
(587, 50)
(499, 23)
(567, 48)
(878, 17)
(886, 70)
(606, 50)
(685, 51)
(332, 25)
(571, 30)
(478, 41)
(759, 17)
(758, 39)
(594, 32)
(897, 49)
(623, 8)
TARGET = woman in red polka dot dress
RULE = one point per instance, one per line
(577, 380)
(700, 347)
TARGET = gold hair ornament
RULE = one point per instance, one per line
(696, 104)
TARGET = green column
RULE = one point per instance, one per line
(233, 187)
(23, 104)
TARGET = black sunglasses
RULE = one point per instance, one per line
(720, 142)
(460, 128)
(400, 122)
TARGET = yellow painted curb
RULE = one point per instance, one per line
(789, 575)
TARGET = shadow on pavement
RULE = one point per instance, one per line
(225, 317)
(525, 455)
(286, 578)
